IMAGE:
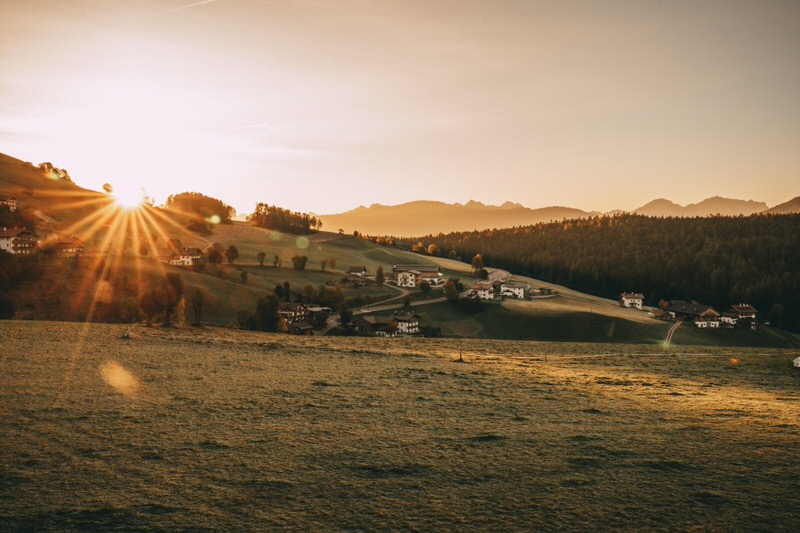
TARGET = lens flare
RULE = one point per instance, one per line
(117, 377)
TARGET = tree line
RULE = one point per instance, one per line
(279, 219)
(718, 260)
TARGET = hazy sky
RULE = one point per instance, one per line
(324, 105)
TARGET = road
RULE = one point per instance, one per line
(671, 332)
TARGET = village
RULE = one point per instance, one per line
(309, 318)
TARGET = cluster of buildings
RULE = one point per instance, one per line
(22, 241)
(486, 290)
(701, 315)
(741, 315)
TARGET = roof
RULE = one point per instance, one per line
(406, 317)
(378, 320)
(482, 285)
(631, 296)
(418, 268)
(744, 308)
(689, 308)
(15, 232)
(516, 285)
(357, 269)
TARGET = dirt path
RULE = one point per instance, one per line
(671, 332)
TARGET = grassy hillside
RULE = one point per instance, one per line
(207, 429)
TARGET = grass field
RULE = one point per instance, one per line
(213, 429)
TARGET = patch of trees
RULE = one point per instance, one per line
(165, 301)
(279, 219)
(718, 260)
(203, 207)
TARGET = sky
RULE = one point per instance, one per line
(323, 106)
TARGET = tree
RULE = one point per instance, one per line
(338, 297)
(214, 256)
(170, 295)
(477, 262)
(379, 277)
(345, 316)
(483, 274)
(261, 256)
(323, 264)
(451, 292)
(433, 249)
(198, 300)
(299, 262)
(243, 276)
(287, 291)
(276, 261)
(279, 290)
(776, 314)
(266, 317)
(407, 300)
(425, 287)
(232, 253)
(332, 263)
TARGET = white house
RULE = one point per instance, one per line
(18, 240)
(483, 289)
(514, 289)
(631, 299)
(407, 323)
(407, 278)
(185, 257)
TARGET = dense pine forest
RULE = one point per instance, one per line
(717, 260)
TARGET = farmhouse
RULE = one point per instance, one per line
(18, 240)
(186, 257)
(413, 275)
(359, 271)
(70, 247)
(631, 299)
(9, 202)
(407, 323)
(293, 313)
(377, 326)
(514, 289)
(300, 328)
(483, 290)
(744, 311)
(703, 316)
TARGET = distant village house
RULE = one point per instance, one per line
(18, 240)
(9, 202)
(631, 299)
(483, 290)
(515, 289)
(411, 276)
(359, 271)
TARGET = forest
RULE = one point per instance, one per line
(279, 219)
(717, 260)
(201, 206)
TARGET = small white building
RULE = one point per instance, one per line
(185, 257)
(514, 289)
(706, 322)
(631, 299)
(359, 271)
(483, 290)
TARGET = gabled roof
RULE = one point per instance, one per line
(516, 285)
(482, 285)
(377, 320)
(418, 268)
(631, 296)
(690, 308)
(406, 317)
(744, 309)
(15, 232)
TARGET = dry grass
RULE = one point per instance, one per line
(225, 430)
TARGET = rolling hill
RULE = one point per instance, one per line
(792, 206)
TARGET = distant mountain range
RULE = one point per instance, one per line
(430, 217)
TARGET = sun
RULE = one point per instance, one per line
(126, 197)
